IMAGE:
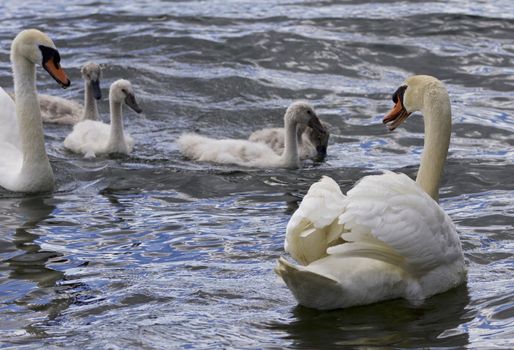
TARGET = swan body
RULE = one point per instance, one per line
(387, 238)
(249, 153)
(311, 143)
(92, 138)
(24, 164)
(58, 110)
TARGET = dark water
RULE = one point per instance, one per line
(152, 251)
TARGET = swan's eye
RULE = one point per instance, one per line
(124, 91)
(309, 112)
(399, 94)
(57, 57)
(50, 53)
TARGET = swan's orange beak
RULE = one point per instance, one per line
(396, 116)
(56, 71)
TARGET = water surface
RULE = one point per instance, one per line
(153, 251)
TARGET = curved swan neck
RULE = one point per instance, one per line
(437, 117)
(116, 137)
(90, 106)
(28, 113)
(290, 155)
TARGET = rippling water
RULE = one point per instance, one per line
(153, 251)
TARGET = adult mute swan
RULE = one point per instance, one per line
(388, 238)
(311, 142)
(24, 164)
(92, 138)
(58, 110)
(253, 154)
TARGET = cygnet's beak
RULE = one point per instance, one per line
(315, 124)
(130, 100)
(321, 152)
(95, 85)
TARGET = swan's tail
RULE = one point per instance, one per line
(310, 289)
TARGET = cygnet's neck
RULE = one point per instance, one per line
(30, 126)
(290, 158)
(299, 136)
(437, 117)
(117, 136)
(90, 106)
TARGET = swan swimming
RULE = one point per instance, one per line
(24, 164)
(311, 143)
(59, 110)
(253, 154)
(92, 138)
(388, 238)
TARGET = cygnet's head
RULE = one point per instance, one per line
(410, 97)
(303, 113)
(92, 73)
(121, 91)
(319, 140)
(38, 48)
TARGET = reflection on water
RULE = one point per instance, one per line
(393, 323)
(151, 250)
(30, 293)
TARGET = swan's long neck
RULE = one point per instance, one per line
(29, 117)
(90, 106)
(438, 123)
(290, 157)
(116, 137)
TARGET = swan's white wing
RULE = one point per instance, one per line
(88, 137)
(11, 156)
(386, 239)
(9, 131)
(11, 160)
(314, 225)
(392, 211)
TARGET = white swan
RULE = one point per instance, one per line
(24, 164)
(388, 238)
(311, 142)
(58, 110)
(92, 138)
(253, 154)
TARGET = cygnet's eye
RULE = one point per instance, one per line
(309, 112)
(124, 91)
